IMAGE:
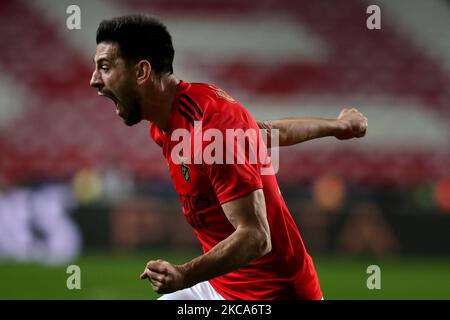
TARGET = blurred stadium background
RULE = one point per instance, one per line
(78, 187)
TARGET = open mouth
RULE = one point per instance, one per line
(114, 99)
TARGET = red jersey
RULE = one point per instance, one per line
(287, 272)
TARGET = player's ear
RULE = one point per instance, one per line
(143, 70)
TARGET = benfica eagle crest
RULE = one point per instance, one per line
(184, 169)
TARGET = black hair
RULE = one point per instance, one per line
(140, 37)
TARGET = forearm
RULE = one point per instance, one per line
(238, 250)
(296, 130)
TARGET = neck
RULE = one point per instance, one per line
(158, 100)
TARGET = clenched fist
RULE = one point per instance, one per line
(164, 277)
(351, 124)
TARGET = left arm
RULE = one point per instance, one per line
(249, 242)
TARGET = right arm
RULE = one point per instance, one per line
(349, 124)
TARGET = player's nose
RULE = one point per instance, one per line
(96, 81)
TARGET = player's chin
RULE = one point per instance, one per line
(131, 116)
(131, 121)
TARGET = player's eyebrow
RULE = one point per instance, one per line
(99, 61)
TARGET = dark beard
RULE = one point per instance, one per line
(134, 116)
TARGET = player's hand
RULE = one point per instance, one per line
(164, 277)
(351, 124)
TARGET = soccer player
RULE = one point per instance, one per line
(252, 247)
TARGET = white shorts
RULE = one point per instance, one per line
(201, 291)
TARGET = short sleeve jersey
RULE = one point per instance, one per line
(208, 170)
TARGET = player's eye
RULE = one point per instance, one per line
(104, 68)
